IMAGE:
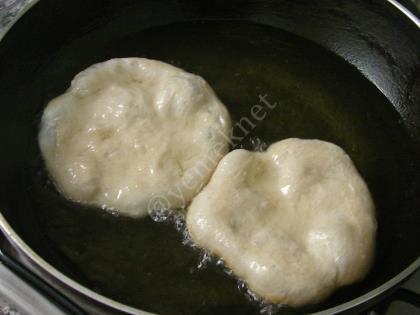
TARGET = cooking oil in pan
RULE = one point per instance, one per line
(305, 91)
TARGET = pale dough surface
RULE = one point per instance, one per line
(294, 222)
(130, 130)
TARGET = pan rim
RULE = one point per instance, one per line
(16, 240)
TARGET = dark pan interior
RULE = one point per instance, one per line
(349, 74)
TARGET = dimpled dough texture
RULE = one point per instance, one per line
(294, 222)
(131, 130)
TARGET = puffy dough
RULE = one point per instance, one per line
(294, 222)
(131, 130)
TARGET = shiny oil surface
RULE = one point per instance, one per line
(317, 95)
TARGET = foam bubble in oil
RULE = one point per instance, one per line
(253, 144)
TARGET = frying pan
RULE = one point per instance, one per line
(342, 71)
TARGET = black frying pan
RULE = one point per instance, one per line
(342, 71)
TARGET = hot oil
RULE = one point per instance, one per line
(303, 90)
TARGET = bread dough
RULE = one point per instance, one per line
(294, 222)
(131, 130)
